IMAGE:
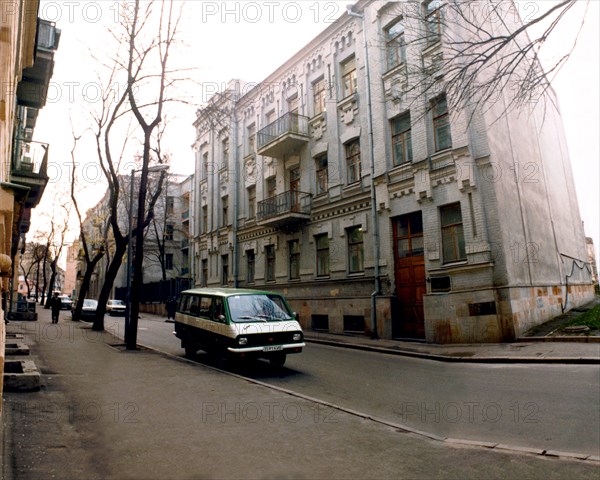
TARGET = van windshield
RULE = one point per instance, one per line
(257, 308)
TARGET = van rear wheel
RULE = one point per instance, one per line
(278, 360)
(190, 350)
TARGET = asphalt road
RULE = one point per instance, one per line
(551, 407)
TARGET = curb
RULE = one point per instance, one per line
(459, 359)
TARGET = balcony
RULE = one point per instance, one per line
(185, 216)
(285, 210)
(285, 135)
(185, 243)
(32, 90)
(29, 169)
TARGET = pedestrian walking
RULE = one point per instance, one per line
(171, 306)
(55, 306)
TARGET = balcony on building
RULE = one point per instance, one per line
(185, 244)
(29, 169)
(32, 90)
(286, 134)
(185, 216)
(285, 210)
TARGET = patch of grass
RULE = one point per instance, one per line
(591, 319)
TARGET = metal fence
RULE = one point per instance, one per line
(158, 292)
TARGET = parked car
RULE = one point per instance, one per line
(88, 310)
(65, 302)
(115, 307)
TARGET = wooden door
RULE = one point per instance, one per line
(409, 270)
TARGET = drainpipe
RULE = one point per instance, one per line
(236, 181)
(376, 250)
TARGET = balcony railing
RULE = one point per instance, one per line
(30, 158)
(286, 208)
(283, 135)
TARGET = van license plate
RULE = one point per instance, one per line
(272, 348)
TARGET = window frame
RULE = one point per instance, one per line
(321, 174)
(348, 76)
(251, 201)
(224, 211)
(270, 263)
(433, 13)
(403, 137)
(356, 249)
(294, 259)
(440, 120)
(319, 88)
(250, 266)
(395, 43)
(225, 269)
(353, 161)
(322, 256)
(454, 231)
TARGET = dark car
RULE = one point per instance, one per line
(88, 310)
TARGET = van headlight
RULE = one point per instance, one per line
(242, 341)
(297, 337)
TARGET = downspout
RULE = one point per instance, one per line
(236, 180)
(376, 249)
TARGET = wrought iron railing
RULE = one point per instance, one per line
(288, 202)
(288, 123)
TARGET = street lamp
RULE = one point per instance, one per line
(154, 168)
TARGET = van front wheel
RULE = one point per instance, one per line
(278, 360)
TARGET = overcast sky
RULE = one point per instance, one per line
(249, 40)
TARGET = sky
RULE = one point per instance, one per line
(249, 40)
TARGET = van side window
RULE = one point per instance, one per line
(194, 306)
(218, 310)
(205, 304)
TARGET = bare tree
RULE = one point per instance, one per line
(148, 118)
(92, 254)
(483, 54)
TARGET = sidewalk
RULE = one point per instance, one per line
(104, 412)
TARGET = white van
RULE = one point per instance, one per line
(238, 322)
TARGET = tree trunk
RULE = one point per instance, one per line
(109, 280)
(85, 285)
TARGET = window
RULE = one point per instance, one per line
(224, 269)
(322, 174)
(355, 250)
(205, 166)
(433, 21)
(294, 249)
(441, 123)
(169, 232)
(401, 139)
(322, 242)
(250, 266)
(225, 153)
(270, 263)
(204, 219)
(169, 261)
(319, 95)
(251, 139)
(204, 279)
(453, 240)
(251, 202)
(271, 187)
(348, 75)
(353, 161)
(224, 211)
(395, 44)
(170, 205)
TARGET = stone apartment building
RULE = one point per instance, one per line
(167, 237)
(375, 208)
